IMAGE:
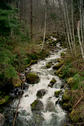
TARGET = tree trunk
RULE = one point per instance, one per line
(31, 20)
(81, 20)
(73, 34)
(67, 29)
(45, 23)
(79, 37)
(68, 23)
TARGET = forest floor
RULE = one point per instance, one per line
(72, 71)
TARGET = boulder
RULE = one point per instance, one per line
(32, 78)
(41, 93)
(52, 82)
(59, 72)
(48, 65)
(59, 59)
(2, 119)
(58, 65)
(37, 105)
(56, 94)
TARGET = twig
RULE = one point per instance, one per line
(16, 112)
(18, 106)
(78, 101)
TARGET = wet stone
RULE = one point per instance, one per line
(52, 82)
(41, 93)
(37, 105)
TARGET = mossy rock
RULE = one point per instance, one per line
(67, 106)
(75, 116)
(58, 65)
(4, 100)
(32, 78)
(37, 105)
(66, 96)
(33, 62)
(56, 94)
(48, 65)
(16, 82)
(52, 82)
(70, 81)
(41, 93)
(59, 72)
(59, 60)
(61, 75)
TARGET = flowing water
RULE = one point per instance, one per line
(52, 114)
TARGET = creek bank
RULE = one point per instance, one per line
(12, 87)
(72, 100)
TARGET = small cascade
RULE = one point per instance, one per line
(52, 114)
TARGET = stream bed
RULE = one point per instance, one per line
(51, 114)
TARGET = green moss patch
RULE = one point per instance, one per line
(66, 96)
(4, 100)
(41, 93)
(52, 82)
(48, 65)
(56, 94)
(37, 105)
(32, 78)
(58, 65)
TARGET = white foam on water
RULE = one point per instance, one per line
(47, 115)
(30, 95)
(60, 113)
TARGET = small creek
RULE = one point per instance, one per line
(52, 114)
